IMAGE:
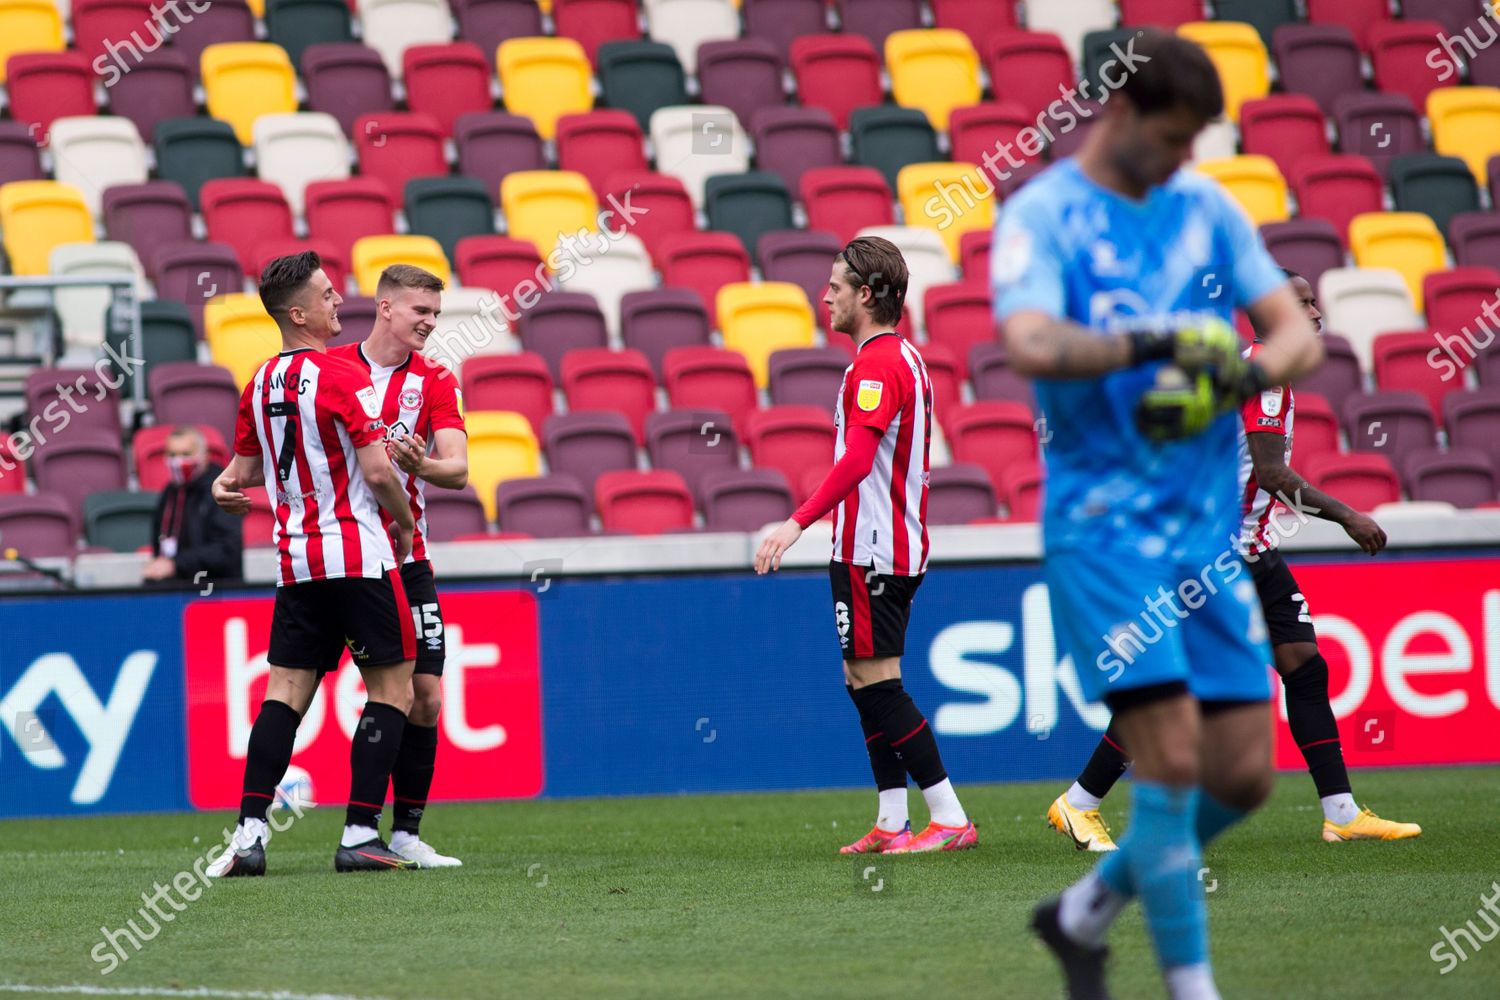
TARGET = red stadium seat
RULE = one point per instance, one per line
(704, 262)
(259, 527)
(976, 18)
(1167, 14)
(600, 143)
(1285, 127)
(12, 469)
(980, 130)
(604, 379)
(446, 81)
(791, 439)
(1315, 426)
(98, 22)
(710, 378)
(334, 264)
(591, 23)
(643, 503)
(243, 213)
(1361, 480)
(1028, 67)
(498, 262)
(945, 372)
(1337, 188)
(149, 448)
(518, 382)
(663, 207)
(1359, 16)
(1021, 486)
(1455, 299)
(46, 86)
(837, 73)
(342, 212)
(993, 435)
(974, 255)
(958, 316)
(396, 146)
(1399, 52)
(1401, 363)
(844, 200)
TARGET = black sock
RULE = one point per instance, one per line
(1314, 728)
(371, 757)
(891, 711)
(887, 767)
(1106, 766)
(411, 778)
(267, 756)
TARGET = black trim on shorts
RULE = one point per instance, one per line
(871, 610)
(1281, 600)
(426, 616)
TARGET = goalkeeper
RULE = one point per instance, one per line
(1115, 275)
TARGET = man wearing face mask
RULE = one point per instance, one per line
(193, 535)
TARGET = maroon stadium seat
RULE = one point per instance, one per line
(1307, 245)
(65, 390)
(1337, 188)
(791, 141)
(1361, 480)
(599, 143)
(837, 73)
(1473, 420)
(244, 213)
(159, 87)
(446, 81)
(555, 506)
(1339, 376)
(46, 86)
(518, 382)
(875, 19)
(1285, 127)
(662, 205)
(356, 320)
(783, 22)
(604, 379)
(1464, 477)
(960, 493)
(704, 262)
(657, 320)
(20, 156)
(591, 23)
(1399, 52)
(992, 378)
(342, 212)
(220, 21)
(1475, 239)
(487, 23)
(560, 322)
(185, 392)
(1321, 61)
(395, 147)
(585, 443)
(710, 378)
(346, 80)
(993, 434)
(792, 439)
(192, 273)
(643, 503)
(844, 200)
(1455, 299)
(492, 144)
(453, 513)
(39, 526)
(147, 216)
(692, 443)
(1453, 15)
(148, 448)
(741, 74)
(1028, 67)
(1359, 16)
(807, 376)
(1391, 422)
(1378, 127)
(745, 499)
(958, 316)
(79, 463)
(803, 257)
(1316, 426)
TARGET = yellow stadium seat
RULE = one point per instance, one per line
(502, 446)
(757, 319)
(1254, 182)
(952, 198)
(373, 254)
(935, 69)
(1240, 56)
(541, 205)
(257, 7)
(241, 335)
(1466, 123)
(28, 26)
(544, 79)
(244, 80)
(1408, 243)
(36, 216)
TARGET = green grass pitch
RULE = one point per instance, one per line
(744, 896)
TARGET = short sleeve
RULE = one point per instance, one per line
(246, 439)
(1265, 412)
(346, 393)
(447, 411)
(1256, 274)
(1026, 267)
(880, 388)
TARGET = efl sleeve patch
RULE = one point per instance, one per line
(369, 401)
(869, 394)
(1270, 402)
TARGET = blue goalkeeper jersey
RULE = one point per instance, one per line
(1068, 247)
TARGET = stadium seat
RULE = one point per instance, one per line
(346, 80)
(837, 73)
(592, 23)
(555, 506)
(642, 78)
(293, 151)
(12, 472)
(45, 86)
(541, 205)
(560, 322)
(1378, 127)
(794, 440)
(193, 150)
(1362, 481)
(243, 213)
(1336, 189)
(784, 22)
(356, 319)
(807, 376)
(934, 70)
(599, 143)
(20, 158)
(610, 275)
(1456, 299)
(1320, 61)
(544, 79)
(447, 81)
(1253, 182)
(1466, 123)
(974, 256)
(643, 503)
(759, 319)
(844, 200)
(450, 514)
(519, 382)
(1361, 17)
(981, 129)
(790, 141)
(959, 494)
(1071, 20)
(333, 262)
(745, 500)
(710, 378)
(167, 335)
(79, 464)
(1439, 186)
(663, 207)
(1362, 303)
(747, 204)
(218, 22)
(449, 209)
(927, 261)
(1284, 127)
(620, 381)
(390, 27)
(1240, 56)
(35, 217)
(492, 144)
(29, 26)
(1473, 420)
(240, 334)
(186, 392)
(1022, 492)
(891, 139)
(1028, 67)
(1464, 477)
(488, 23)
(742, 74)
(1338, 377)
(1317, 425)
(192, 273)
(297, 24)
(344, 211)
(395, 147)
(958, 316)
(159, 87)
(1452, 15)
(693, 443)
(687, 25)
(100, 413)
(704, 262)
(925, 189)
(259, 525)
(1407, 242)
(148, 448)
(96, 23)
(1309, 246)
(40, 525)
(1392, 422)
(945, 372)
(1475, 239)
(803, 257)
(244, 80)
(653, 322)
(1166, 14)
(992, 435)
(1399, 53)
(497, 262)
(373, 254)
(992, 377)
(502, 446)
(582, 444)
(81, 311)
(120, 520)
(473, 321)
(92, 153)
(694, 142)
(877, 20)
(1401, 363)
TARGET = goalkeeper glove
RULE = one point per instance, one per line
(1182, 405)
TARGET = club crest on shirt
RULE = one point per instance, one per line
(868, 396)
(369, 400)
(411, 399)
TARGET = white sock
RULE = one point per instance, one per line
(1089, 907)
(249, 831)
(1340, 808)
(356, 835)
(893, 816)
(401, 838)
(1080, 799)
(942, 803)
(1191, 982)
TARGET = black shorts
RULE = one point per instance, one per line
(314, 621)
(1287, 617)
(871, 610)
(426, 617)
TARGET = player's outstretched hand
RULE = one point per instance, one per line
(407, 452)
(401, 537)
(227, 495)
(768, 559)
(1366, 533)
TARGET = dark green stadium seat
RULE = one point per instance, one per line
(448, 209)
(1441, 186)
(193, 150)
(119, 520)
(641, 77)
(1265, 16)
(296, 24)
(166, 331)
(1097, 52)
(888, 138)
(749, 205)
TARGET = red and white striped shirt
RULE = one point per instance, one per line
(305, 413)
(420, 397)
(1268, 413)
(884, 522)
